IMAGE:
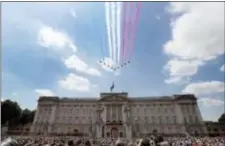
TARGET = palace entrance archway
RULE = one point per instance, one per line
(114, 132)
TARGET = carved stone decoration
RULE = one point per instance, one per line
(113, 97)
(127, 114)
(99, 119)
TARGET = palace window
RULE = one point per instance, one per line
(167, 120)
(138, 112)
(196, 119)
(190, 119)
(188, 109)
(193, 109)
(159, 110)
(153, 120)
(185, 120)
(160, 120)
(145, 112)
(209, 129)
(172, 110)
(174, 119)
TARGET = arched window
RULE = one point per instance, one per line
(153, 119)
(108, 134)
(209, 129)
(154, 131)
(160, 120)
(121, 134)
(167, 120)
(174, 120)
(75, 131)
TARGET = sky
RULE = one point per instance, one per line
(54, 49)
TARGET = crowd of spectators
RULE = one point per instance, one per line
(87, 141)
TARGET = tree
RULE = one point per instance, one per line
(11, 112)
(222, 118)
(27, 116)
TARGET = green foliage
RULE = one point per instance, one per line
(222, 118)
(26, 116)
(12, 114)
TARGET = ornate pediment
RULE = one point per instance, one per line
(113, 97)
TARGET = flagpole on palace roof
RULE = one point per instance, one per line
(112, 87)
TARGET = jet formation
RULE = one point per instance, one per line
(114, 68)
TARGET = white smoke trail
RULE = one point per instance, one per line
(108, 25)
(113, 4)
(118, 26)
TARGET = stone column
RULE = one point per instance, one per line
(111, 113)
(99, 123)
(98, 131)
(107, 113)
(202, 128)
(128, 130)
(52, 118)
(180, 118)
(120, 113)
(37, 114)
(200, 119)
(117, 112)
(127, 121)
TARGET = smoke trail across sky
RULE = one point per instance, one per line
(120, 44)
(123, 30)
(118, 26)
(130, 19)
(108, 26)
(129, 31)
(113, 23)
(133, 32)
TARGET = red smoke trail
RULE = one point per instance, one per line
(129, 30)
(138, 7)
(124, 30)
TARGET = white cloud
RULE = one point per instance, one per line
(199, 32)
(14, 93)
(44, 92)
(222, 68)
(197, 37)
(75, 82)
(182, 68)
(73, 13)
(73, 62)
(49, 37)
(210, 102)
(204, 88)
(93, 71)
(158, 17)
(177, 80)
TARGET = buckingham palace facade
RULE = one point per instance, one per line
(117, 115)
